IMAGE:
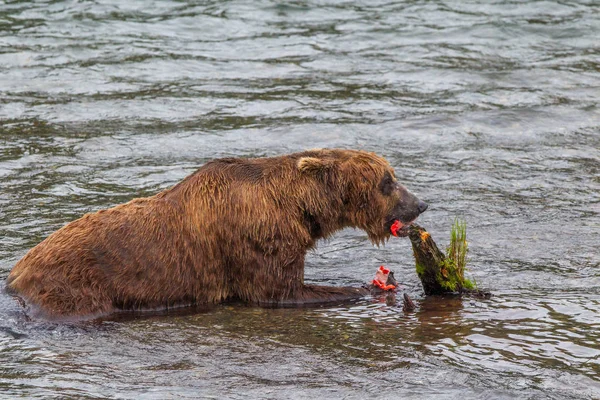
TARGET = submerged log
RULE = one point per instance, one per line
(438, 273)
(407, 304)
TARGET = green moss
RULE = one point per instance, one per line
(467, 284)
(420, 270)
(448, 277)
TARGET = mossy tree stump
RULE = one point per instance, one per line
(439, 274)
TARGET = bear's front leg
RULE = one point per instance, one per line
(278, 280)
(314, 295)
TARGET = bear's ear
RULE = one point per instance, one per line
(313, 165)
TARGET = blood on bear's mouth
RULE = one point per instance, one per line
(399, 228)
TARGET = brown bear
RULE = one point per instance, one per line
(236, 229)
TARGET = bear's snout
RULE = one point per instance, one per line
(422, 206)
(406, 210)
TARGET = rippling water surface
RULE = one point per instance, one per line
(486, 109)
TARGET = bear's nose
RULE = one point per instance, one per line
(422, 206)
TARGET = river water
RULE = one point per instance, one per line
(487, 110)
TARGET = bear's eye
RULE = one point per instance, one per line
(387, 184)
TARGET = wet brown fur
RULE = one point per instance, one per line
(235, 229)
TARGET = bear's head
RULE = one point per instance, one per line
(366, 191)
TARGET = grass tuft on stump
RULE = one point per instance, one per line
(456, 252)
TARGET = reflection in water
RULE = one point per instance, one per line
(486, 110)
